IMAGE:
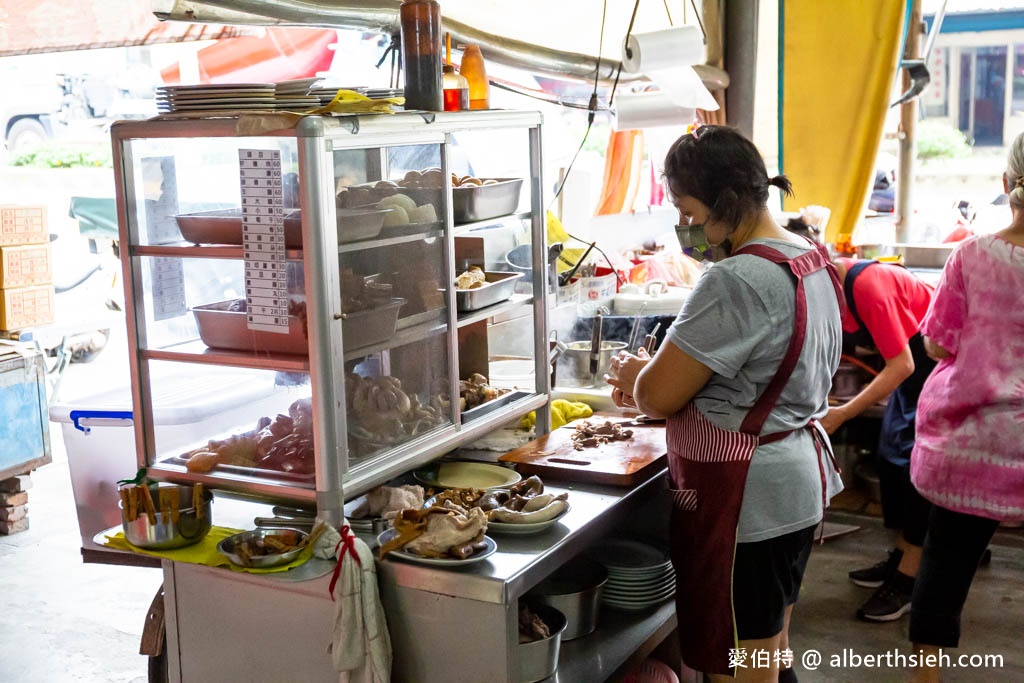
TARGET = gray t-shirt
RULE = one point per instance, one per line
(738, 322)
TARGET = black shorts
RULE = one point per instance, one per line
(766, 580)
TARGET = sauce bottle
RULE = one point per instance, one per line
(421, 54)
(472, 68)
(456, 90)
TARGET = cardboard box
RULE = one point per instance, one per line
(24, 265)
(26, 306)
(23, 225)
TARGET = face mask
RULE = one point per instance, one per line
(694, 244)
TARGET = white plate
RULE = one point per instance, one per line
(640, 576)
(216, 87)
(640, 601)
(524, 529)
(631, 556)
(492, 546)
(652, 587)
(634, 606)
(645, 594)
(467, 475)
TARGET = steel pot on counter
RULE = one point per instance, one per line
(574, 365)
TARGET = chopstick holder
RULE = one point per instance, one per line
(197, 499)
(147, 503)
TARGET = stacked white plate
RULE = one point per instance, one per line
(232, 96)
(639, 575)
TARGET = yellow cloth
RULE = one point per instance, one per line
(204, 552)
(838, 62)
(351, 102)
(562, 413)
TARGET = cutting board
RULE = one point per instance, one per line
(620, 463)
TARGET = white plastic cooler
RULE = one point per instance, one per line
(188, 411)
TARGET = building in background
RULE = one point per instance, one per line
(977, 69)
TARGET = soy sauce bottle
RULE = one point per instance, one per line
(421, 54)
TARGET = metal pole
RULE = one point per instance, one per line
(741, 63)
(908, 124)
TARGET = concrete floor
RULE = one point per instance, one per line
(63, 621)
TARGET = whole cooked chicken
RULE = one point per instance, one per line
(437, 532)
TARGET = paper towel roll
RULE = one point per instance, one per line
(666, 58)
(668, 49)
(651, 110)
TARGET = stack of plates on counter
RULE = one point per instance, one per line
(326, 92)
(232, 97)
(639, 575)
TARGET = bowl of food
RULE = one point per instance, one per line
(540, 638)
(165, 516)
(263, 548)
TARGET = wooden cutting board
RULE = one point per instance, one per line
(620, 463)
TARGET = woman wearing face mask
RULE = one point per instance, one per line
(744, 377)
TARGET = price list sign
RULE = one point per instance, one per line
(266, 278)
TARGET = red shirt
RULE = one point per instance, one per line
(891, 301)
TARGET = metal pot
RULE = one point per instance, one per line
(539, 659)
(167, 533)
(575, 362)
(574, 590)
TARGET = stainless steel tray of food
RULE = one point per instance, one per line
(471, 203)
(224, 226)
(497, 288)
(224, 325)
(370, 326)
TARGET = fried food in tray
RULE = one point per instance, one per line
(283, 444)
(474, 278)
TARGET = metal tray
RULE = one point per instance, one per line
(499, 287)
(372, 326)
(472, 203)
(220, 328)
(492, 405)
(224, 226)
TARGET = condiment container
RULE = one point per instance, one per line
(539, 659)
(456, 90)
(421, 54)
(472, 68)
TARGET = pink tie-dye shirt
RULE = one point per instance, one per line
(969, 452)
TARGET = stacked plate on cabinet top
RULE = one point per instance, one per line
(639, 575)
(231, 96)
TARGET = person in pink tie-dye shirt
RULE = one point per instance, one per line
(968, 459)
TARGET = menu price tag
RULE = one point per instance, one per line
(266, 276)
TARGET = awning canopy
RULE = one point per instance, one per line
(36, 26)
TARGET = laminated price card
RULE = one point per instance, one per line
(266, 277)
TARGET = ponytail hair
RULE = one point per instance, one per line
(782, 182)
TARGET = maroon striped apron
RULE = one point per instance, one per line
(708, 469)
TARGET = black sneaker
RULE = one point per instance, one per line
(875, 575)
(891, 601)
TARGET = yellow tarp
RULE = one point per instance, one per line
(838, 63)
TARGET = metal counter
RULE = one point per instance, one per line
(453, 625)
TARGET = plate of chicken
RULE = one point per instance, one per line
(438, 536)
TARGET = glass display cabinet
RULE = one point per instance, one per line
(363, 283)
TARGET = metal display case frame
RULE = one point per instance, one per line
(336, 476)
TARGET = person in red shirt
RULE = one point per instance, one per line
(885, 306)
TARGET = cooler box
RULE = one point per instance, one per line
(100, 439)
(23, 430)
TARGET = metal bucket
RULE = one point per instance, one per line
(167, 533)
(574, 590)
(574, 365)
(539, 659)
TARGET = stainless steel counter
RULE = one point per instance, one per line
(450, 625)
(522, 561)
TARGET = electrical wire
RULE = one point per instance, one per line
(591, 106)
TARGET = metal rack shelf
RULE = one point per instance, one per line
(198, 352)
